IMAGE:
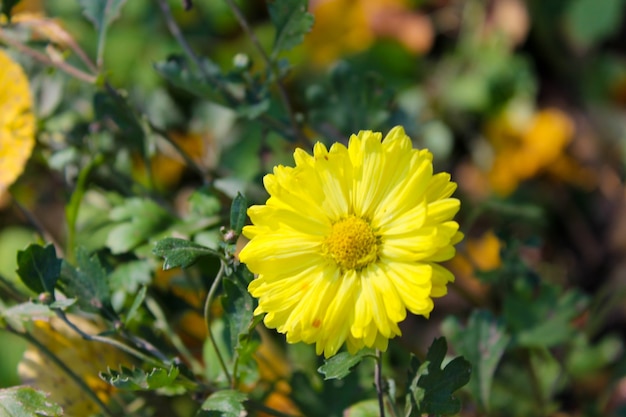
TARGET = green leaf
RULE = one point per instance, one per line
(607, 16)
(113, 110)
(483, 342)
(180, 252)
(87, 282)
(238, 308)
(139, 220)
(176, 71)
(138, 380)
(39, 268)
(367, 408)
(101, 13)
(141, 295)
(292, 22)
(226, 403)
(340, 365)
(238, 213)
(432, 387)
(26, 402)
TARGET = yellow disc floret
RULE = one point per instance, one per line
(351, 243)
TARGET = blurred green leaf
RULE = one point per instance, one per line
(113, 110)
(292, 21)
(176, 71)
(27, 402)
(129, 276)
(367, 408)
(591, 21)
(431, 388)
(483, 341)
(18, 314)
(87, 282)
(137, 301)
(238, 213)
(39, 268)
(224, 403)
(138, 380)
(180, 252)
(139, 220)
(101, 13)
(340, 365)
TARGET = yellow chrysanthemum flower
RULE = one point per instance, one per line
(349, 240)
(17, 123)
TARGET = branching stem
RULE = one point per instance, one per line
(207, 318)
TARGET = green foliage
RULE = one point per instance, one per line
(292, 22)
(39, 268)
(101, 13)
(224, 403)
(432, 387)
(343, 363)
(180, 253)
(26, 402)
(87, 282)
(138, 380)
(238, 213)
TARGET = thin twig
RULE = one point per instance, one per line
(54, 358)
(207, 318)
(46, 60)
(378, 381)
(279, 84)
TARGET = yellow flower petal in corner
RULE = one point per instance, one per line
(346, 266)
(17, 122)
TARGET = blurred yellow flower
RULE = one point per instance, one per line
(349, 240)
(524, 145)
(17, 122)
(85, 358)
(349, 26)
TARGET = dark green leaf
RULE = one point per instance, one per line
(176, 71)
(292, 22)
(238, 308)
(238, 213)
(119, 117)
(138, 380)
(39, 268)
(340, 365)
(87, 282)
(227, 403)
(26, 402)
(432, 387)
(607, 16)
(180, 252)
(483, 342)
(139, 220)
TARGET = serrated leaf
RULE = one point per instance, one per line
(139, 380)
(39, 268)
(432, 387)
(180, 252)
(227, 403)
(26, 402)
(340, 365)
(238, 213)
(292, 22)
(483, 341)
(139, 220)
(87, 282)
(238, 308)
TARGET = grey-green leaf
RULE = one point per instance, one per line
(227, 403)
(101, 13)
(238, 213)
(26, 402)
(39, 268)
(292, 22)
(180, 252)
(340, 365)
(483, 341)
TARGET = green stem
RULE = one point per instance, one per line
(378, 382)
(71, 212)
(207, 319)
(163, 324)
(77, 380)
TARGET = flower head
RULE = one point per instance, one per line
(17, 123)
(349, 240)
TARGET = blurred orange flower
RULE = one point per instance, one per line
(525, 144)
(17, 122)
(350, 26)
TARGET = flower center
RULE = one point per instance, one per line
(351, 243)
